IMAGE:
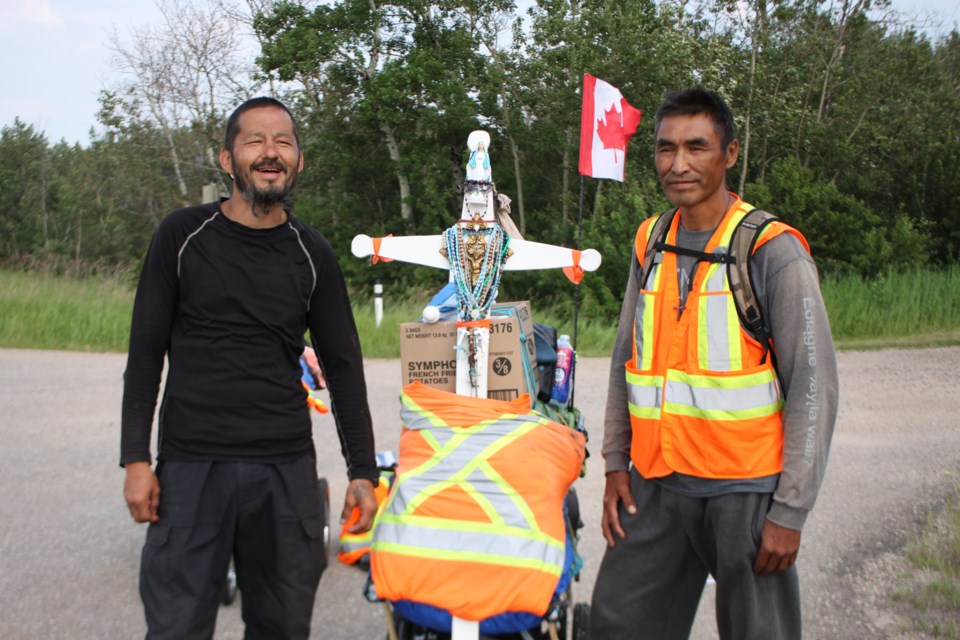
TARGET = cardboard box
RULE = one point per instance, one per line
(521, 310)
(428, 355)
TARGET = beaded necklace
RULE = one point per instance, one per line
(476, 286)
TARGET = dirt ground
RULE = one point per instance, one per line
(69, 552)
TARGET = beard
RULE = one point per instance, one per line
(263, 199)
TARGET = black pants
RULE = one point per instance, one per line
(267, 516)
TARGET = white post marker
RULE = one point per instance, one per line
(474, 250)
(378, 302)
(210, 192)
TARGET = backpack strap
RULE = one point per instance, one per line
(657, 235)
(742, 245)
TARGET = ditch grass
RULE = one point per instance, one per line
(916, 308)
(932, 601)
(68, 313)
(901, 309)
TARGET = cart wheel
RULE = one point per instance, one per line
(572, 503)
(581, 621)
(324, 491)
(230, 586)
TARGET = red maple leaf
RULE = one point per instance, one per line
(612, 134)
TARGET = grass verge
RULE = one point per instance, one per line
(67, 313)
(901, 309)
(932, 602)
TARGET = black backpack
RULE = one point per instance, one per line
(742, 243)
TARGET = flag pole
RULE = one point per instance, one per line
(576, 299)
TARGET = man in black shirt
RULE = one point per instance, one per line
(227, 291)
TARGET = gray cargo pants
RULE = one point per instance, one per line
(650, 583)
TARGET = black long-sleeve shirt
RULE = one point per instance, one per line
(228, 306)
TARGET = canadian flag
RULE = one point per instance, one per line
(606, 122)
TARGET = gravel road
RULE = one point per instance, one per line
(69, 551)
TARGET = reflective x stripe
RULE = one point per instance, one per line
(722, 398)
(461, 459)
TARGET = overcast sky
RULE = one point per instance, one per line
(56, 57)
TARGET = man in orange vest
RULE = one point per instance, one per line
(715, 438)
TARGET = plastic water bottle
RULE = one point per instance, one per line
(561, 380)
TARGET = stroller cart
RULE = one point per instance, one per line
(481, 520)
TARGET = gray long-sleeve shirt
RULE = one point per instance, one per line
(788, 292)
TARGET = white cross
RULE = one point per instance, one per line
(478, 206)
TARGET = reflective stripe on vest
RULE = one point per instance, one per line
(701, 401)
(474, 522)
(713, 398)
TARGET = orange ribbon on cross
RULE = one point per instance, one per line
(575, 273)
(376, 251)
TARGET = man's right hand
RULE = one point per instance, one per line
(617, 490)
(141, 490)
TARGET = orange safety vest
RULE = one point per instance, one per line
(474, 522)
(703, 395)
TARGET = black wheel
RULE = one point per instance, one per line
(572, 503)
(230, 586)
(581, 621)
(324, 491)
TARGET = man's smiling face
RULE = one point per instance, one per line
(265, 158)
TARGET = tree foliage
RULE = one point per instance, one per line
(849, 125)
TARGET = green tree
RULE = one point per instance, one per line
(845, 235)
(25, 190)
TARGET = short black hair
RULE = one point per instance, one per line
(233, 122)
(696, 101)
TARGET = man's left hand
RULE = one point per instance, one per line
(359, 494)
(779, 547)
